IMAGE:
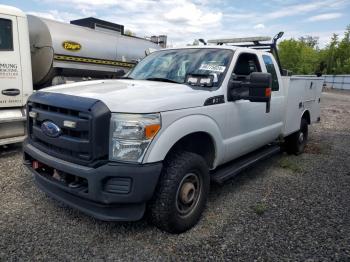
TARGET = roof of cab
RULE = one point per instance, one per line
(10, 10)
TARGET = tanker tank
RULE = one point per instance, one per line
(62, 51)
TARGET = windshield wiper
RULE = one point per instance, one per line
(162, 80)
(126, 77)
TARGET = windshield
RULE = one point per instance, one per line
(175, 65)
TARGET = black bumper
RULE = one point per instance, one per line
(100, 199)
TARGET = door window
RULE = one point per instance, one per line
(6, 38)
(270, 67)
(245, 65)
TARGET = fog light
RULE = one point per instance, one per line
(118, 185)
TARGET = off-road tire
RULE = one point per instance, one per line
(163, 209)
(296, 142)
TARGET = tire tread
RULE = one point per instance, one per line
(160, 208)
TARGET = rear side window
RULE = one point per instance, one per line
(6, 39)
(270, 67)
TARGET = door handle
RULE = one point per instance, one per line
(11, 92)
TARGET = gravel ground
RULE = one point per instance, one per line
(287, 208)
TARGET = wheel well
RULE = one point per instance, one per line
(200, 143)
(306, 116)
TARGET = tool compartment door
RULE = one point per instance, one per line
(303, 93)
(10, 63)
(315, 89)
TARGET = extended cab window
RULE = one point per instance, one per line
(270, 67)
(245, 65)
(6, 39)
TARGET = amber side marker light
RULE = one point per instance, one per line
(151, 130)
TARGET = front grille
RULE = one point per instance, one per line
(85, 144)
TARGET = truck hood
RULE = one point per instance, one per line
(136, 96)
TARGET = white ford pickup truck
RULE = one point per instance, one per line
(155, 140)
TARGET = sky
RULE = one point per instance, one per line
(185, 20)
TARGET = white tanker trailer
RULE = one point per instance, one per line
(37, 52)
(61, 50)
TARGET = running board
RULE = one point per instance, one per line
(233, 168)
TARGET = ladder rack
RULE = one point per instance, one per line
(254, 43)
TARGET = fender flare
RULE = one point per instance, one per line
(306, 111)
(182, 127)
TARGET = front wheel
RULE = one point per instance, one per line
(295, 143)
(181, 193)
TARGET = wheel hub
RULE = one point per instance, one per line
(187, 192)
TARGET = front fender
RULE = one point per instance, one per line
(167, 138)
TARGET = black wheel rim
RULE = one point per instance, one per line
(188, 194)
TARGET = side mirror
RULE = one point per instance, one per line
(257, 88)
(149, 51)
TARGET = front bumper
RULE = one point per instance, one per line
(113, 192)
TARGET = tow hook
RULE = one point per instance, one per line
(36, 165)
(61, 178)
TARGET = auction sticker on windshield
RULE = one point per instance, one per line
(214, 68)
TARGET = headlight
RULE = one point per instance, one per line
(131, 134)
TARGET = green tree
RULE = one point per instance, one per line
(300, 57)
(309, 40)
(303, 56)
(331, 54)
(290, 54)
(343, 53)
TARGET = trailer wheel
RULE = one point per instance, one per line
(181, 193)
(295, 143)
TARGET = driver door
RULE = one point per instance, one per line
(248, 125)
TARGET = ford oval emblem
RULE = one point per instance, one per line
(50, 129)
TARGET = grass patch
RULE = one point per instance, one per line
(289, 164)
(260, 208)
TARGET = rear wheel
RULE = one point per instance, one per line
(181, 193)
(295, 143)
